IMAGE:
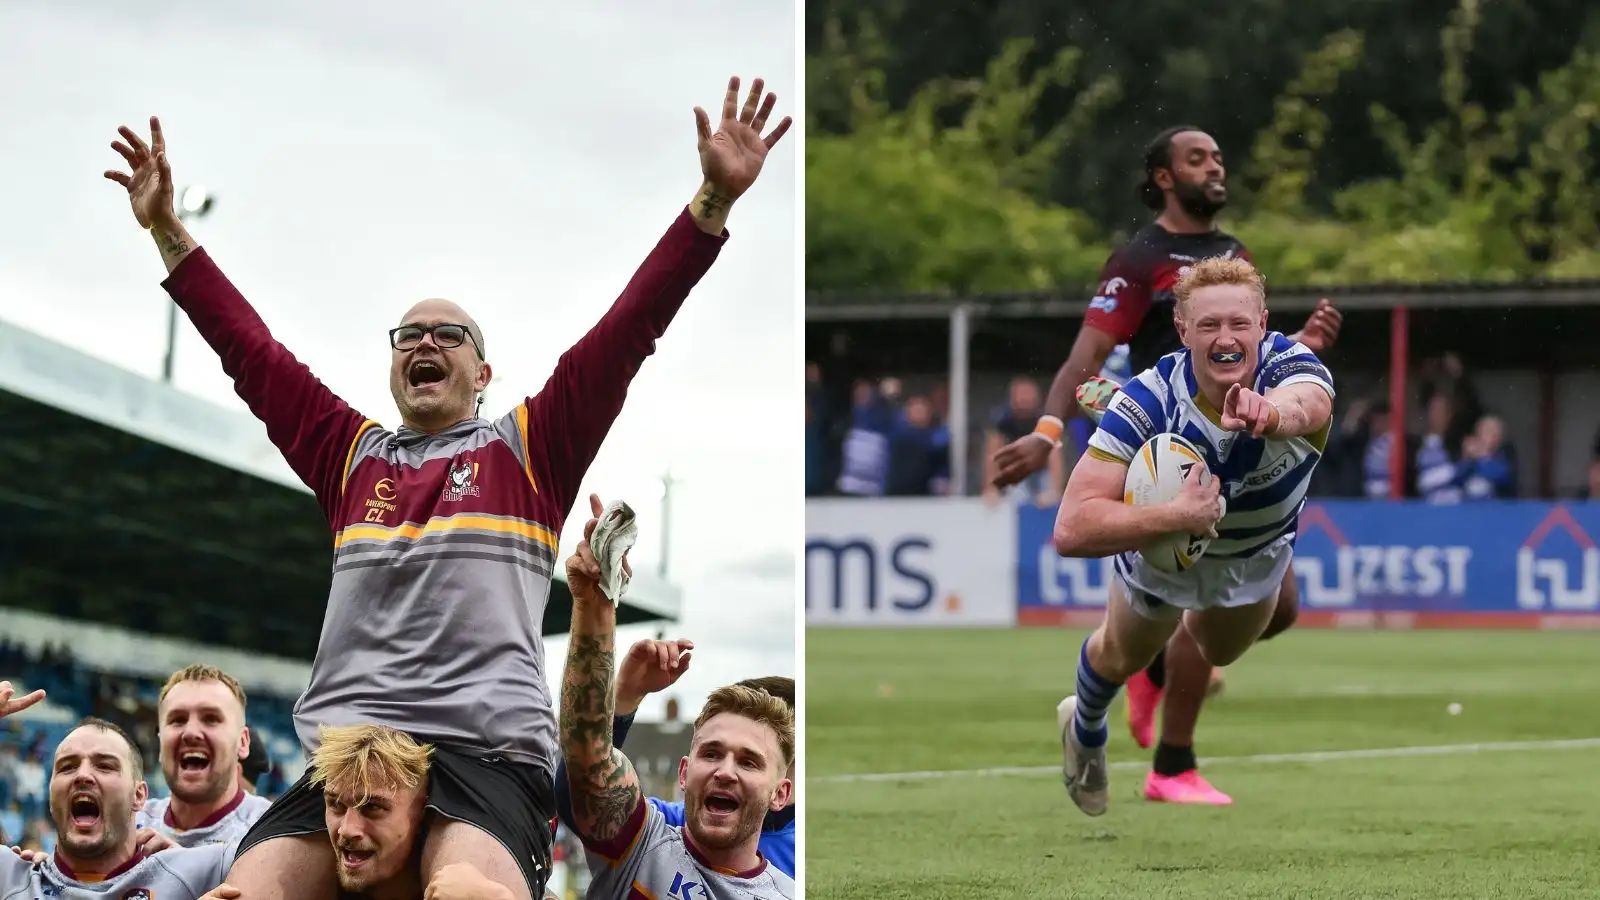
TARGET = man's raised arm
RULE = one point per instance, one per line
(607, 801)
(309, 424)
(565, 423)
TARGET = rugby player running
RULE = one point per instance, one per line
(444, 530)
(1185, 181)
(1258, 406)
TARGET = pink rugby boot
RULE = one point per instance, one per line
(1186, 788)
(1144, 698)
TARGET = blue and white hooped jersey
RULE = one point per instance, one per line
(1264, 480)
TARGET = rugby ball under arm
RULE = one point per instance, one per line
(1155, 476)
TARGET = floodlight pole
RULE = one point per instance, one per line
(184, 215)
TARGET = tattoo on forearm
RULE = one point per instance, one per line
(606, 796)
(604, 788)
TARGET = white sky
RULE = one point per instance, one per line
(518, 158)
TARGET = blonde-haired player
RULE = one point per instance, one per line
(201, 717)
(374, 782)
(1259, 406)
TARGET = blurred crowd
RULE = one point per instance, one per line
(887, 441)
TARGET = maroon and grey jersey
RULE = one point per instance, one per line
(1134, 302)
(179, 873)
(444, 544)
(227, 825)
(652, 860)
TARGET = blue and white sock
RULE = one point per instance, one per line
(1095, 694)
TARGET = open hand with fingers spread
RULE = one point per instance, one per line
(1246, 410)
(732, 156)
(149, 182)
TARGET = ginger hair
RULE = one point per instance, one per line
(1218, 271)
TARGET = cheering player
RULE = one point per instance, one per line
(1186, 184)
(96, 788)
(204, 743)
(735, 775)
(445, 530)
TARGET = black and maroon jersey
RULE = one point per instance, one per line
(1134, 302)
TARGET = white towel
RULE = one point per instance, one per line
(615, 535)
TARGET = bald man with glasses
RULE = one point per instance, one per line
(444, 530)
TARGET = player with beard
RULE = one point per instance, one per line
(652, 666)
(742, 746)
(203, 744)
(1258, 406)
(1186, 184)
(96, 787)
(445, 530)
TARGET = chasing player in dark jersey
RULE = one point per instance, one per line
(444, 530)
(1186, 183)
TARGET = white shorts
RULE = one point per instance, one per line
(1208, 584)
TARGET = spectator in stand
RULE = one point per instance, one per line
(1356, 463)
(1488, 464)
(1591, 488)
(1438, 480)
(30, 785)
(11, 827)
(864, 465)
(919, 453)
(1012, 422)
(816, 433)
(1448, 375)
(8, 775)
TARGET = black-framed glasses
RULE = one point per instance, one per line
(448, 336)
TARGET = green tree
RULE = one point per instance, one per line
(904, 201)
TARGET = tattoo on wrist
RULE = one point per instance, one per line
(172, 242)
(713, 204)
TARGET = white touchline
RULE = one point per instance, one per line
(1312, 757)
